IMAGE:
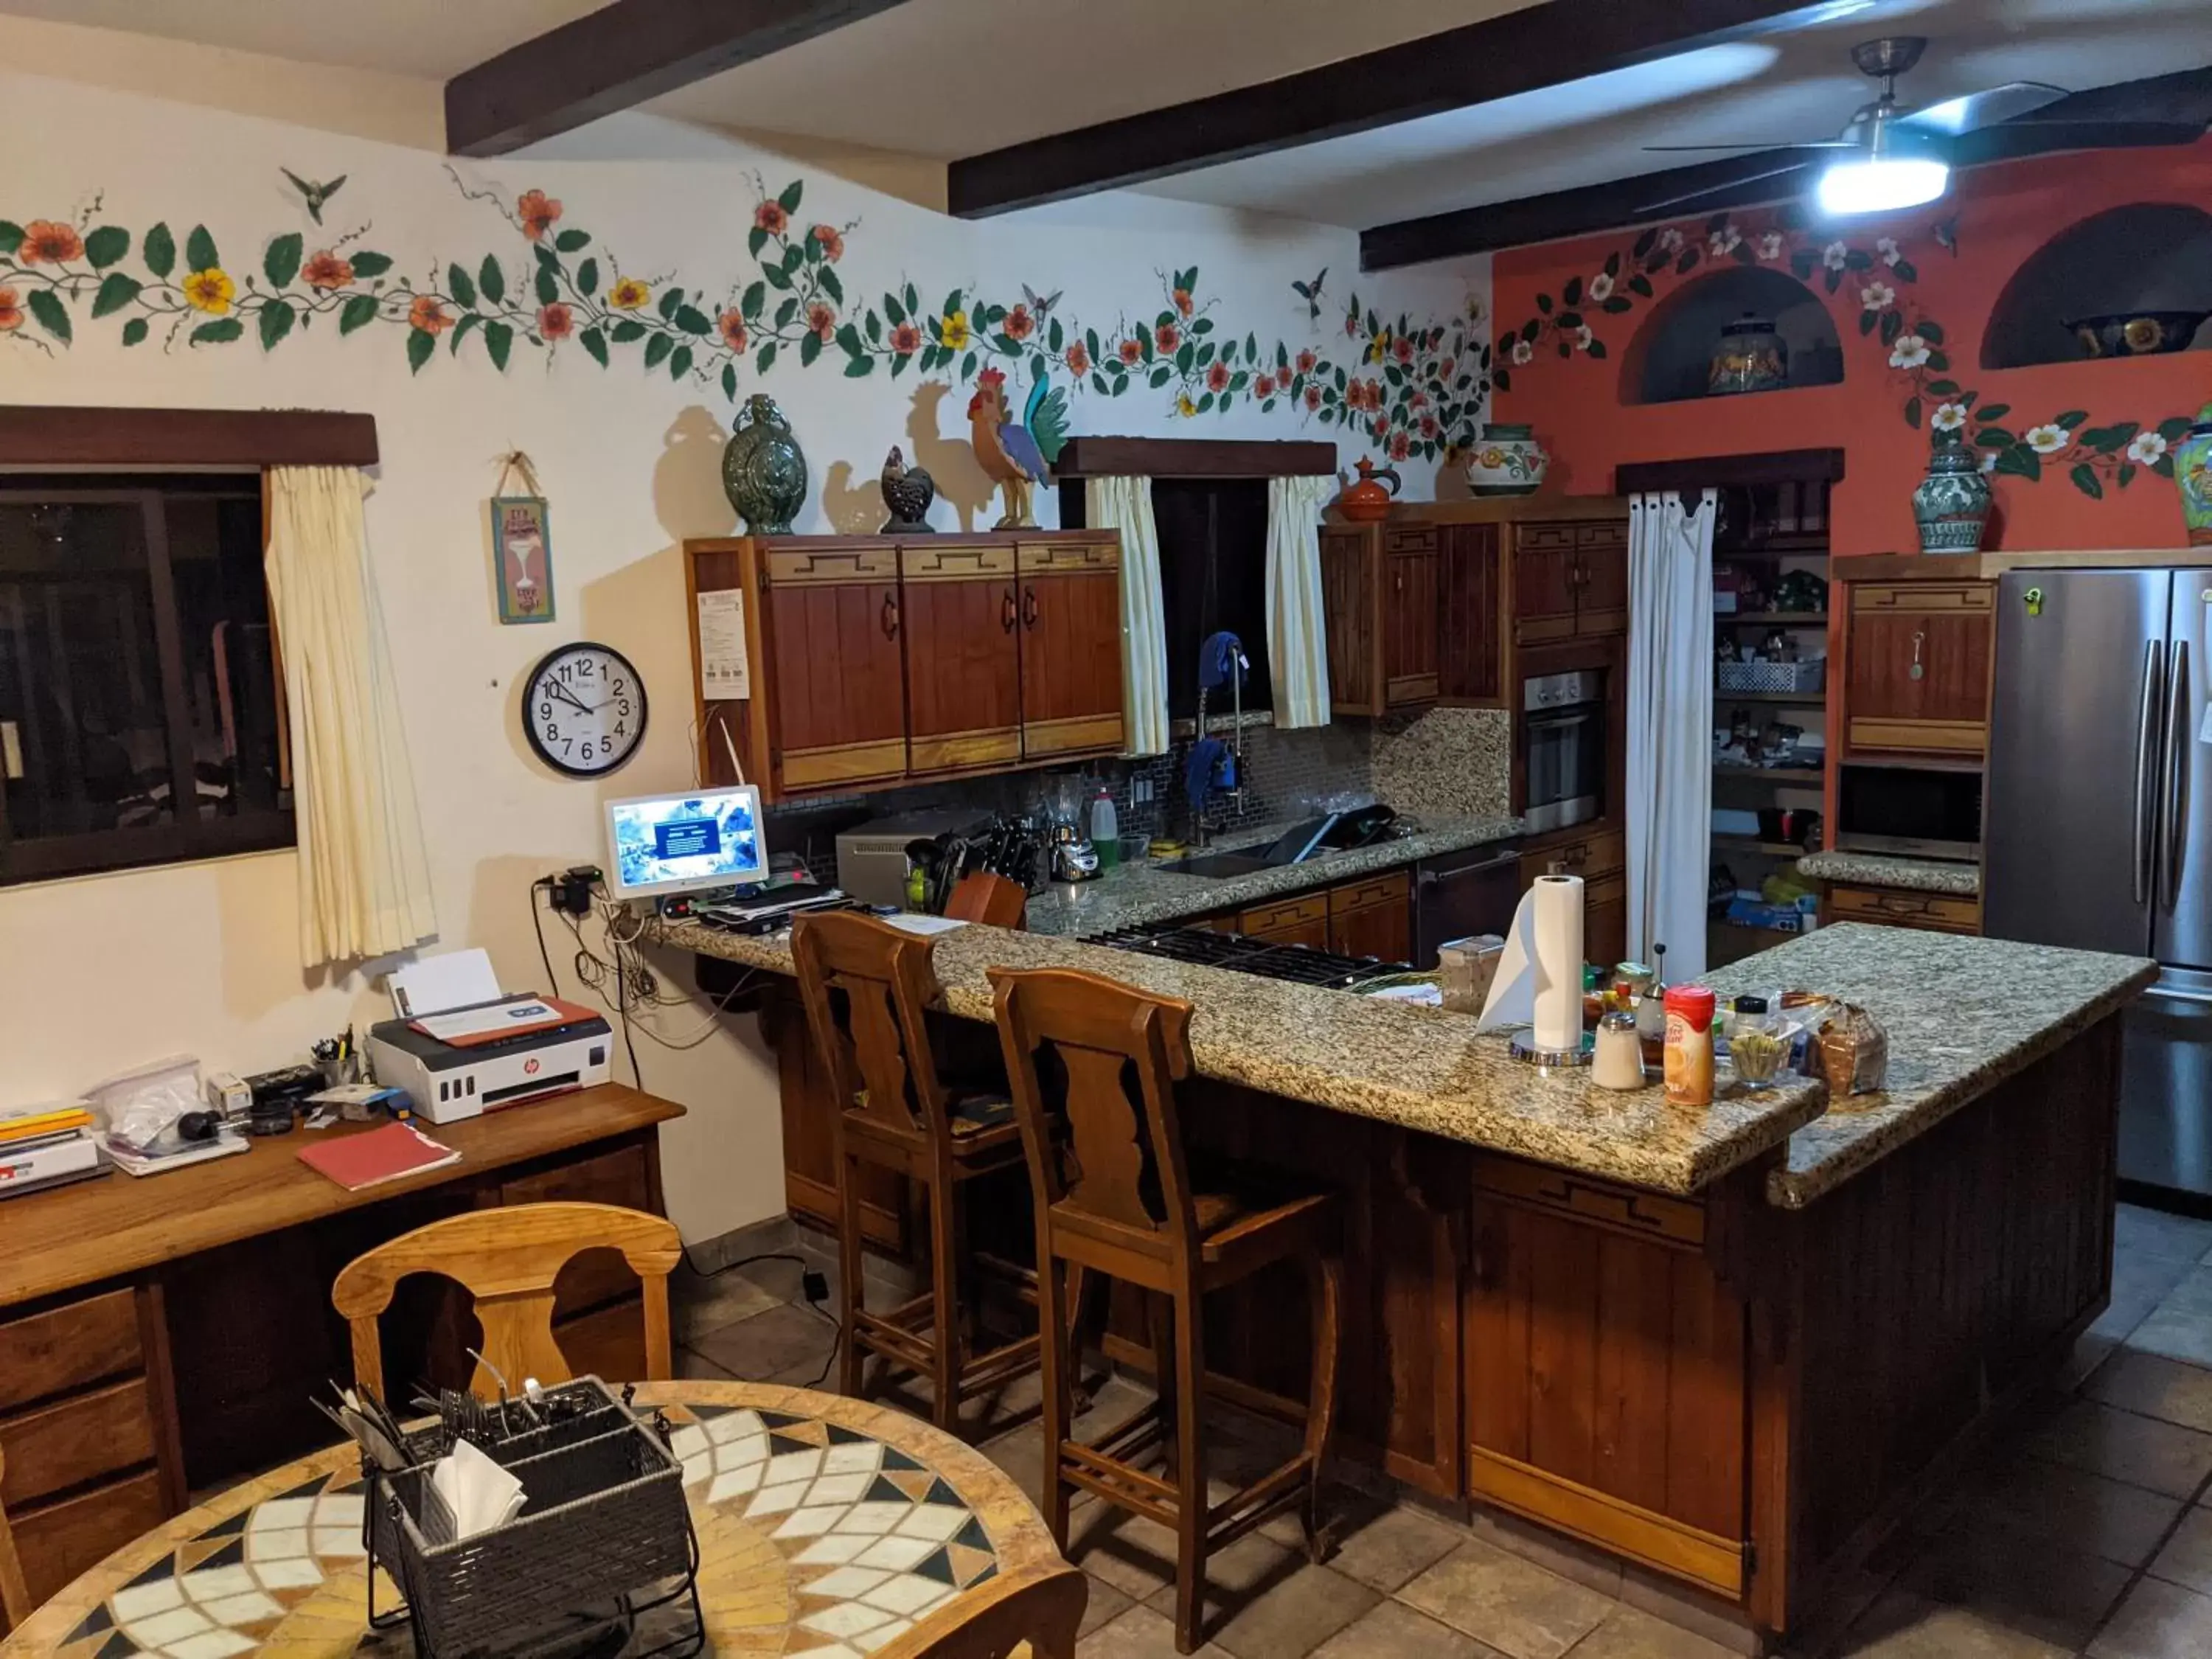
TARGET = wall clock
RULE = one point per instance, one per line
(583, 709)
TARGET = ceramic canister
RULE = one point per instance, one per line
(2192, 471)
(1952, 504)
(1506, 461)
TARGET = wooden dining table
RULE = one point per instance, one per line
(826, 1527)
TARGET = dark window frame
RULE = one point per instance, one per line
(186, 837)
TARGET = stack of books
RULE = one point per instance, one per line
(46, 1146)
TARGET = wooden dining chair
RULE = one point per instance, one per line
(1094, 1066)
(15, 1595)
(1037, 1616)
(507, 1259)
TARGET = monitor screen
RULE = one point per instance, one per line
(679, 843)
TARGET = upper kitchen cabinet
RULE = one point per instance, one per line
(1379, 601)
(826, 663)
(1918, 658)
(1569, 579)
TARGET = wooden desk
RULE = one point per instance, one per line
(164, 1334)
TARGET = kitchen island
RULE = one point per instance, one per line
(1731, 1345)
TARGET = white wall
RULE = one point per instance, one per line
(100, 973)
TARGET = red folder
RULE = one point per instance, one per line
(390, 1153)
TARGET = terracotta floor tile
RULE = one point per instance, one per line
(2158, 1621)
(1106, 1604)
(699, 1304)
(1394, 1631)
(2151, 1385)
(1291, 1610)
(2140, 1282)
(2122, 1446)
(1386, 1548)
(1516, 1606)
(2187, 1558)
(2138, 1231)
(2048, 1590)
(2073, 1507)
(1905, 1626)
(780, 1340)
(1139, 1633)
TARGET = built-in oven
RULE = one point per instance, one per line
(1931, 810)
(1563, 748)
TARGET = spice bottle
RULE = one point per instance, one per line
(1689, 1056)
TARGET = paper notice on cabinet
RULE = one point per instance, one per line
(723, 671)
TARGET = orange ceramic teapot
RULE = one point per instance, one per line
(1367, 501)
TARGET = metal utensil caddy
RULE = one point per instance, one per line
(603, 1528)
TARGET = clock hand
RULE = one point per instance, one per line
(569, 697)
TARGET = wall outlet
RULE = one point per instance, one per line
(1140, 791)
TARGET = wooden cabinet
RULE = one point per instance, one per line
(1601, 859)
(1379, 607)
(870, 660)
(1897, 907)
(1301, 921)
(963, 678)
(1606, 1370)
(1569, 579)
(1374, 917)
(1918, 657)
(1411, 633)
(1070, 647)
(1605, 919)
(1470, 598)
(1602, 571)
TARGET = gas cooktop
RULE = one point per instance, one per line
(1301, 964)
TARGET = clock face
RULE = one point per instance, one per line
(584, 709)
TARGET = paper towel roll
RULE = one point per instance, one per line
(1558, 961)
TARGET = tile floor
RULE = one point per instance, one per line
(2089, 1532)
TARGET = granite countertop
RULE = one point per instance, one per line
(1962, 1015)
(1882, 870)
(1144, 895)
(1421, 1068)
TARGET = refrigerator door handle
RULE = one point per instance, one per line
(2172, 842)
(2146, 741)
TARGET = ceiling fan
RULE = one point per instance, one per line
(1893, 155)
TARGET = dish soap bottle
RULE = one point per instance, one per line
(1105, 830)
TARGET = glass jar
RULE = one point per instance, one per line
(1750, 357)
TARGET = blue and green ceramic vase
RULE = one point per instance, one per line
(1952, 505)
(2192, 471)
(763, 470)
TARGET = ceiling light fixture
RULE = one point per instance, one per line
(1882, 183)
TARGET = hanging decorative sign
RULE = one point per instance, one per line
(521, 545)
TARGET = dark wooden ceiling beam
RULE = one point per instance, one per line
(40, 435)
(1545, 45)
(2167, 109)
(620, 55)
(1106, 457)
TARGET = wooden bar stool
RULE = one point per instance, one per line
(865, 985)
(1093, 1065)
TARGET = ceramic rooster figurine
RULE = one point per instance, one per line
(1017, 457)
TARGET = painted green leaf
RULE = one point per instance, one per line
(756, 239)
(462, 286)
(569, 241)
(1689, 262)
(116, 291)
(1616, 305)
(1994, 437)
(492, 280)
(1835, 279)
(134, 331)
(913, 300)
(2070, 419)
(670, 302)
(756, 296)
(875, 327)
(1938, 362)
(587, 279)
(2086, 480)
(794, 256)
(219, 333)
(595, 342)
(730, 381)
(1995, 411)
(199, 250)
(1544, 303)
(1504, 379)
(898, 364)
(831, 285)
(2126, 475)
(967, 367)
(859, 366)
(280, 260)
(547, 287)
(657, 349)
(1942, 388)
(1597, 349)
(2020, 462)
(894, 310)
(1867, 319)
(1893, 324)
(419, 345)
(789, 198)
(104, 246)
(1859, 259)
(1056, 337)
(53, 316)
(499, 341)
(786, 311)
(810, 348)
(692, 321)
(1186, 357)
(679, 362)
(11, 236)
(765, 359)
(159, 250)
(775, 276)
(276, 319)
(358, 312)
(1161, 376)
(1931, 330)
(1913, 411)
(1906, 271)
(2163, 466)
(848, 340)
(2174, 429)
(371, 265)
(1640, 285)
(461, 332)
(1645, 244)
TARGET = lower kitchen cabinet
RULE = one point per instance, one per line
(1917, 659)
(1898, 907)
(1301, 921)
(1599, 857)
(1373, 918)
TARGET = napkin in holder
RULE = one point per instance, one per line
(1538, 985)
(477, 1493)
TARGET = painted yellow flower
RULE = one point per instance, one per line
(1185, 408)
(628, 295)
(210, 290)
(955, 330)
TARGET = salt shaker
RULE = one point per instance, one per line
(1619, 1061)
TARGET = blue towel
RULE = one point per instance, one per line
(1221, 656)
(1206, 756)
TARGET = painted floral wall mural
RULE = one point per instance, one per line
(1875, 278)
(1410, 387)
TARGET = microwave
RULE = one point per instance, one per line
(1920, 812)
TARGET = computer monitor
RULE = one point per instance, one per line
(663, 844)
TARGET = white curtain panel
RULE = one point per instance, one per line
(364, 871)
(1298, 639)
(1670, 728)
(1126, 505)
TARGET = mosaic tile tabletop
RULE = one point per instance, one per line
(826, 1527)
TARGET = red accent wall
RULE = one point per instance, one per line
(2003, 214)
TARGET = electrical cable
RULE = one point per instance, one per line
(537, 927)
(807, 1298)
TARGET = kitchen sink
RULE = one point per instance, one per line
(1216, 865)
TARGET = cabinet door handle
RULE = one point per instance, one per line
(1919, 639)
(1006, 611)
(890, 616)
(1029, 607)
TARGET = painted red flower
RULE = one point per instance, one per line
(326, 270)
(1351, 322)
(1401, 445)
(46, 241)
(822, 320)
(1166, 337)
(731, 325)
(1183, 302)
(1263, 386)
(832, 241)
(1133, 351)
(1019, 325)
(1313, 396)
(1306, 362)
(1078, 359)
(11, 310)
(1419, 400)
(538, 212)
(770, 217)
(1445, 369)
(1428, 426)
(1403, 350)
(427, 314)
(1217, 378)
(555, 322)
(906, 340)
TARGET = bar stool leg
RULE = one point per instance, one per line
(1325, 1286)
(1190, 1468)
(1159, 1322)
(1054, 1366)
(944, 1303)
(852, 1293)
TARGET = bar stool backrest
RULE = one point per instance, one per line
(866, 986)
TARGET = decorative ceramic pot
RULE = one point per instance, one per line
(2192, 471)
(1750, 357)
(2138, 334)
(1952, 505)
(1367, 501)
(1506, 461)
(763, 472)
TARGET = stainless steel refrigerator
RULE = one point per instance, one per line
(2098, 826)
